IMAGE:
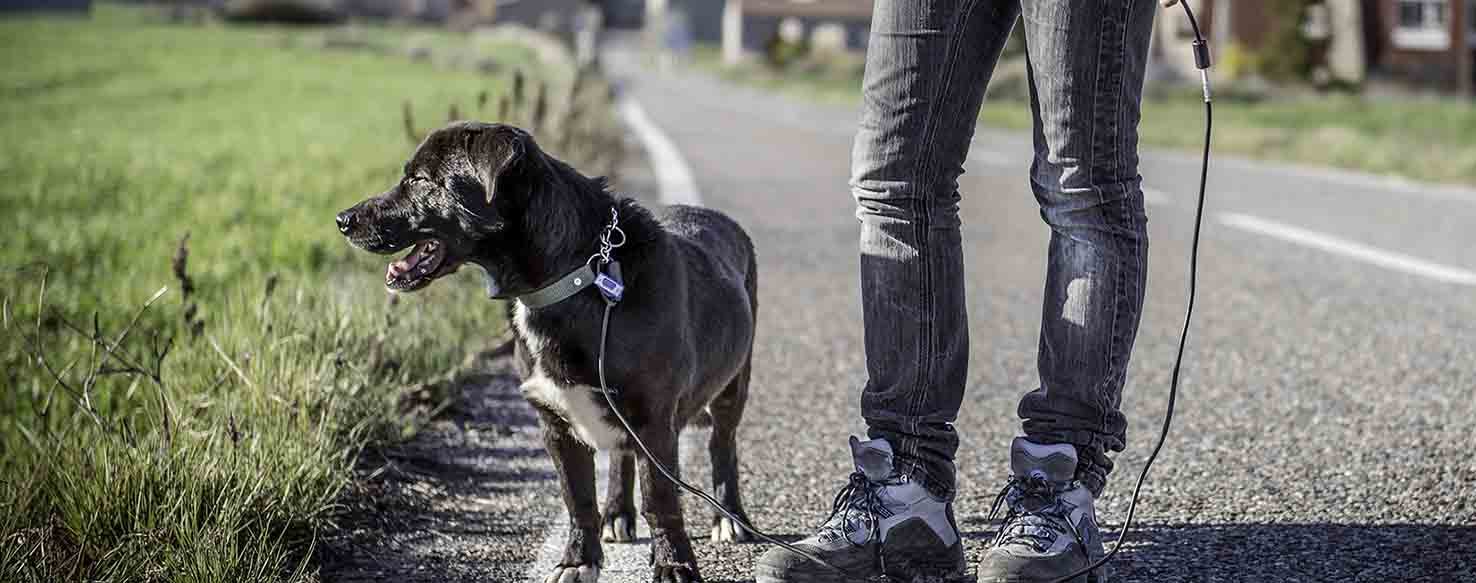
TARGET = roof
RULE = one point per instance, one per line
(837, 9)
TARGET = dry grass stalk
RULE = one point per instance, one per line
(517, 88)
(540, 108)
(231, 363)
(180, 265)
(409, 117)
(106, 357)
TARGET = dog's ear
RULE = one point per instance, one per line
(492, 154)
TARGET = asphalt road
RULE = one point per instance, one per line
(1326, 421)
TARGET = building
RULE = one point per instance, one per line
(747, 26)
(1425, 43)
(1243, 29)
(1422, 44)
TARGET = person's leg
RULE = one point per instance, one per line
(1086, 81)
(927, 64)
(926, 70)
(1086, 62)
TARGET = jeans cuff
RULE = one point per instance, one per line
(916, 470)
(1091, 475)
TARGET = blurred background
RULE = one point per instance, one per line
(1360, 84)
(203, 382)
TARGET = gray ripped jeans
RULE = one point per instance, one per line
(927, 66)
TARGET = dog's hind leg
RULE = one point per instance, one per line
(574, 462)
(618, 519)
(727, 411)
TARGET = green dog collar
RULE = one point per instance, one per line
(560, 290)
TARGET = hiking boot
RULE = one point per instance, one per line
(1050, 529)
(880, 523)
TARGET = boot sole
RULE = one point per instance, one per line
(760, 576)
(1092, 577)
(877, 579)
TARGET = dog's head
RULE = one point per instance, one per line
(448, 204)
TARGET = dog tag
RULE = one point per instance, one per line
(609, 283)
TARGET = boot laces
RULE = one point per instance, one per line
(861, 496)
(1035, 512)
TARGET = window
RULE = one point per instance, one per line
(1422, 25)
(1471, 22)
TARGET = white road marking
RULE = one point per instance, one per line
(672, 172)
(1351, 249)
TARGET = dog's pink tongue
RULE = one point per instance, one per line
(404, 265)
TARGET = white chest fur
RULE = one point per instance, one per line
(581, 406)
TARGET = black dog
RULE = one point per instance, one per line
(680, 340)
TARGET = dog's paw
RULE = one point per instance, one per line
(675, 574)
(726, 530)
(619, 527)
(573, 574)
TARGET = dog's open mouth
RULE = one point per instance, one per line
(426, 261)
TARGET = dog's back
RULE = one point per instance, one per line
(714, 245)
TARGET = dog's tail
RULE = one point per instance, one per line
(750, 279)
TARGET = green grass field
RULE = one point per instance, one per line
(1430, 139)
(221, 460)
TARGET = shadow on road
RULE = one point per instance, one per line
(429, 509)
(1287, 552)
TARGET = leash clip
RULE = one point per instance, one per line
(607, 273)
(608, 242)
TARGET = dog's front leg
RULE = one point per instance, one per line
(574, 462)
(671, 550)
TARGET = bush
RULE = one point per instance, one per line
(779, 53)
(1288, 55)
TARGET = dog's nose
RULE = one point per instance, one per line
(345, 222)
